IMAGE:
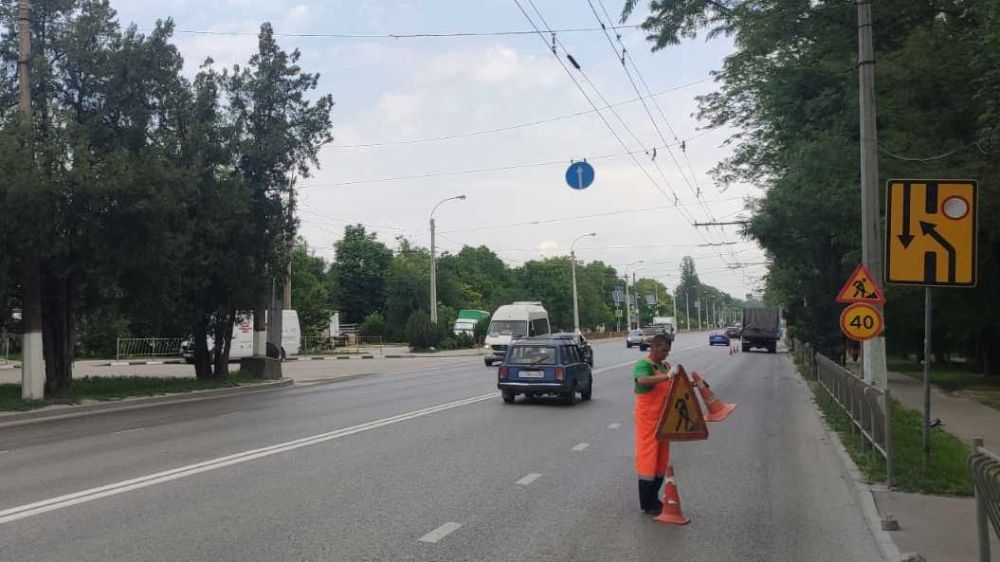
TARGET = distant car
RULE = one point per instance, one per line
(579, 340)
(633, 338)
(545, 366)
(649, 333)
(718, 338)
(732, 332)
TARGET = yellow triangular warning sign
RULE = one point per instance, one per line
(861, 287)
(682, 418)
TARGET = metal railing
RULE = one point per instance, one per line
(867, 406)
(603, 335)
(352, 343)
(10, 345)
(135, 348)
(984, 466)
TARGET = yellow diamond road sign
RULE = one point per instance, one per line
(930, 234)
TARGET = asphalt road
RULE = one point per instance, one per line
(431, 465)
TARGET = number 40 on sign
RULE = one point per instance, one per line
(861, 321)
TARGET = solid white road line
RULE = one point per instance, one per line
(84, 496)
(441, 532)
(615, 425)
(529, 479)
(128, 430)
(581, 446)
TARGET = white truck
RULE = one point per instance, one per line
(242, 341)
(668, 323)
(510, 322)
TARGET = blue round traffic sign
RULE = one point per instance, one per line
(580, 175)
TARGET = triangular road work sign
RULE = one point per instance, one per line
(861, 287)
(682, 418)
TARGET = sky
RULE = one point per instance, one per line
(392, 91)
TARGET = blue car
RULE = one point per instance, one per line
(718, 338)
(545, 366)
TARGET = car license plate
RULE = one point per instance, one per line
(531, 374)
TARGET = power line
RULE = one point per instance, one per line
(459, 172)
(518, 125)
(421, 35)
(587, 216)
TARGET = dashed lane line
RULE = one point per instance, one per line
(527, 480)
(441, 532)
(580, 446)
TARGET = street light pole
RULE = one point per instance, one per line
(628, 303)
(572, 257)
(434, 308)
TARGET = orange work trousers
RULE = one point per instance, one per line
(651, 456)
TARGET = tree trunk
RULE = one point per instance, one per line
(223, 343)
(57, 333)
(202, 358)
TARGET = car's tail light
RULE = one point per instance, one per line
(560, 373)
(502, 373)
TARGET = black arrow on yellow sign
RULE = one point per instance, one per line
(905, 238)
(930, 229)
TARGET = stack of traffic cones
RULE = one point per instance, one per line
(671, 513)
(717, 409)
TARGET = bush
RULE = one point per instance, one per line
(421, 333)
(479, 332)
(374, 324)
(464, 341)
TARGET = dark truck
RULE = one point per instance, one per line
(761, 328)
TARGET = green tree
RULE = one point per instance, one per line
(309, 290)
(361, 267)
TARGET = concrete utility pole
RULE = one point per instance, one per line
(434, 299)
(32, 360)
(687, 310)
(873, 354)
(628, 307)
(675, 313)
(576, 303)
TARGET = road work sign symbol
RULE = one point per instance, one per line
(930, 234)
(580, 175)
(682, 418)
(861, 287)
(861, 321)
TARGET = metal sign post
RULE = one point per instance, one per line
(930, 240)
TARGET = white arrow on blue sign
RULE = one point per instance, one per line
(580, 175)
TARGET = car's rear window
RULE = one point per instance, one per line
(533, 355)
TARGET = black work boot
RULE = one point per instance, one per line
(648, 500)
(655, 502)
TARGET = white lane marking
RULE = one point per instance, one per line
(615, 425)
(441, 532)
(632, 362)
(2, 452)
(128, 430)
(529, 479)
(581, 446)
(84, 496)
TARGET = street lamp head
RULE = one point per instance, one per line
(462, 197)
(592, 234)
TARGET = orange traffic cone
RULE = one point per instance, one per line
(671, 513)
(717, 409)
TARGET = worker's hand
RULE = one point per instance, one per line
(673, 371)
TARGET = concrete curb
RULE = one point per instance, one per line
(9, 367)
(67, 412)
(860, 490)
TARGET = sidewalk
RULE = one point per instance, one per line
(942, 529)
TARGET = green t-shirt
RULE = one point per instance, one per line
(645, 368)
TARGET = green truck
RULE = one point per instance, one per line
(467, 320)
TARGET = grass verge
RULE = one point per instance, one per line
(117, 388)
(953, 378)
(945, 474)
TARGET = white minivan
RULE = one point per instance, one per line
(242, 343)
(510, 322)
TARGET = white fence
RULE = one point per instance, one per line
(134, 348)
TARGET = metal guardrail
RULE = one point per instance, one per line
(984, 467)
(134, 348)
(867, 406)
(10, 345)
(349, 343)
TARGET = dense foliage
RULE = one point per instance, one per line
(791, 90)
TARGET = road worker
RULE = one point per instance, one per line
(652, 375)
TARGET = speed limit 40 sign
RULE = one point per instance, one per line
(861, 321)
